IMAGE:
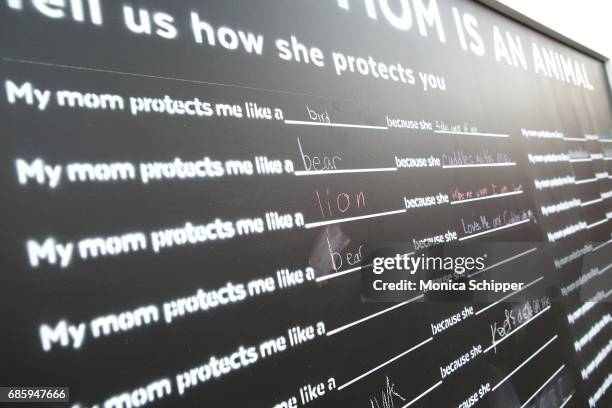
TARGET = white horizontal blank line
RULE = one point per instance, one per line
(427, 391)
(510, 294)
(318, 172)
(575, 139)
(605, 269)
(458, 166)
(340, 273)
(580, 160)
(525, 362)
(532, 318)
(543, 385)
(487, 197)
(346, 125)
(471, 133)
(494, 229)
(384, 364)
(512, 258)
(595, 224)
(566, 401)
(361, 217)
(356, 322)
(586, 180)
(601, 246)
(585, 203)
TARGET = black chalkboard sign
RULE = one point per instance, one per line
(189, 188)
